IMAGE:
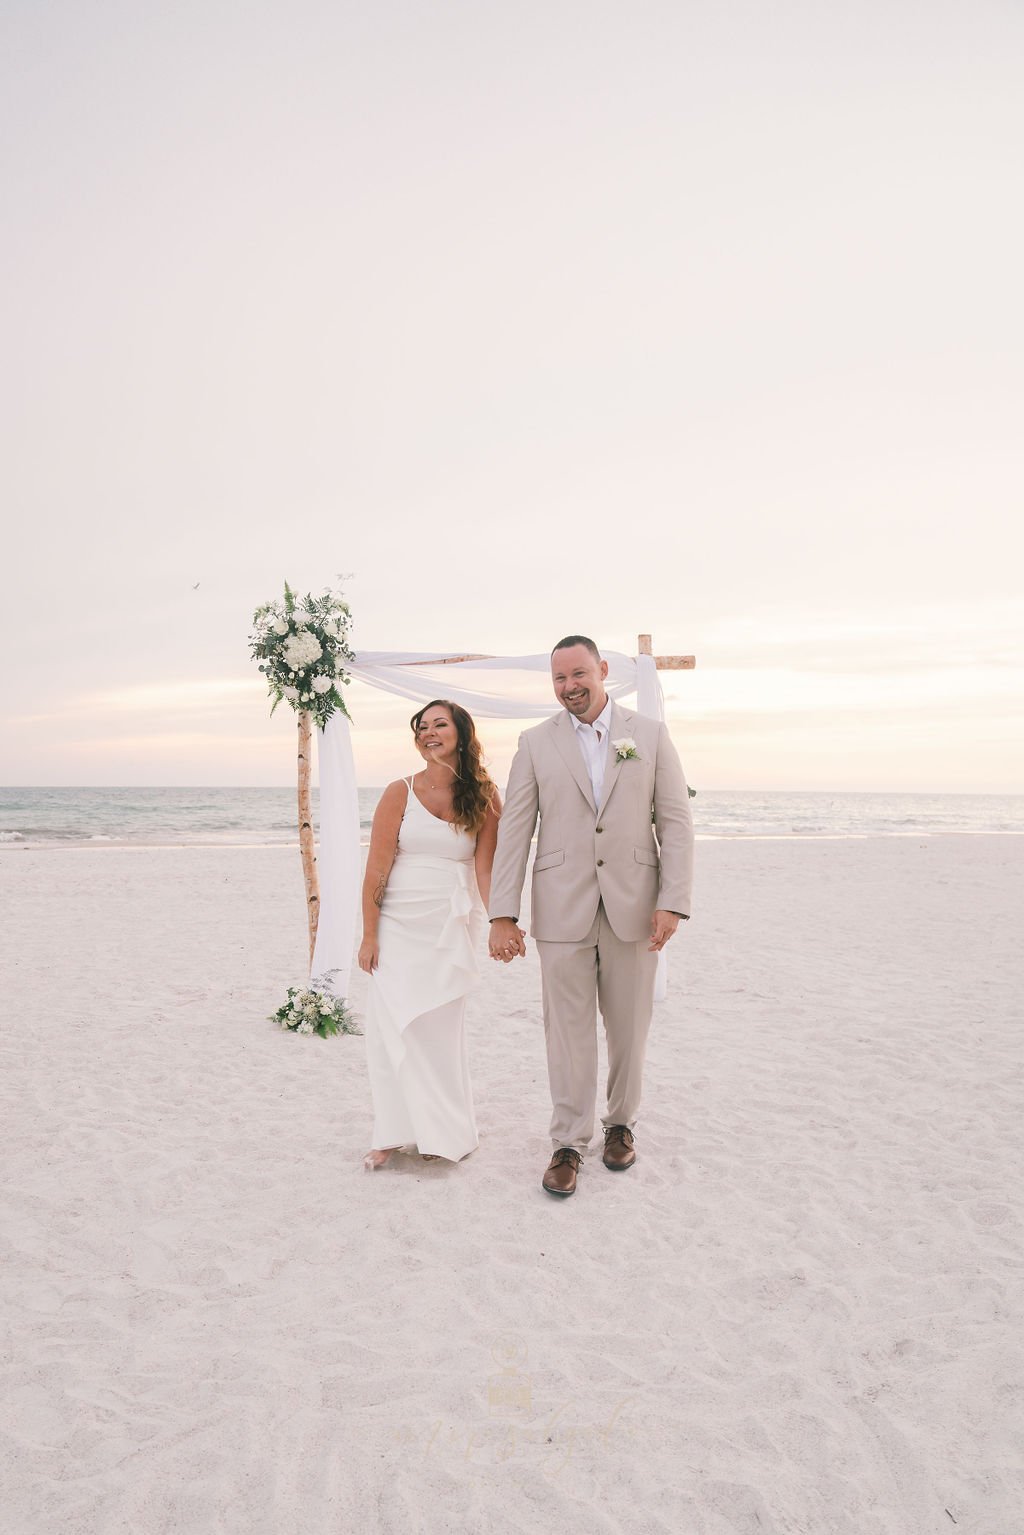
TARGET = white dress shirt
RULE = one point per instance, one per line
(593, 741)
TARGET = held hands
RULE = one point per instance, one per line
(663, 925)
(369, 955)
(507, 939)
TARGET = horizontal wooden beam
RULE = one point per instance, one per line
(447, 660)
(663, 663)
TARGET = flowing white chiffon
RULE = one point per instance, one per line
(430, 933)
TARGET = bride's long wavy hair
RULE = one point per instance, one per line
(473, 788)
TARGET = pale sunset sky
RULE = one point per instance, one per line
(702, 319)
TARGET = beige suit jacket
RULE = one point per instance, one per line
(588, 853)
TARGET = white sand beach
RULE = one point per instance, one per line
(799, 1314)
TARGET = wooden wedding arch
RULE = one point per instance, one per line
(307, 840)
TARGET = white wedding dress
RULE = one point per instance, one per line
(431, 930)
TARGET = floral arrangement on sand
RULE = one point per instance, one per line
(313, 1009)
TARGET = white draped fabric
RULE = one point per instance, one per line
(338, 859)
(650, 700)
(526, 693)
(499, 687)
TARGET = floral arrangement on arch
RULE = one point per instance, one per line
(301, 645)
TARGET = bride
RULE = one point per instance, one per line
(431, 851)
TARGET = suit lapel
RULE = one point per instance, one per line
(569, 750)
(621, 725)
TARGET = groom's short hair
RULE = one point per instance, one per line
(578, 639)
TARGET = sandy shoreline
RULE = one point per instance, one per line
(110, 844)
(799, 1313)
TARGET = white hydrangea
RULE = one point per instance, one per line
(290, 693)
(301, 650)
(280, 626)
(322, 684)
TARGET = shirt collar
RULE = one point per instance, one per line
(604, 719)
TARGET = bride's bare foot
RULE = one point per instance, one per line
(375, 1159)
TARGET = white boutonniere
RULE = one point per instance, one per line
(625, 749)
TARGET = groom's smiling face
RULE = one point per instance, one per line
(578, 681)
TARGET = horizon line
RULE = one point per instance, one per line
(987, 793)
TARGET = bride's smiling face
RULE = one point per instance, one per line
(437, 739)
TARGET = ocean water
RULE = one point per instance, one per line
(108, 817)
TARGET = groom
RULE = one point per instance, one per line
(607, 895)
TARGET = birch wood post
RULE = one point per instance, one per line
(307, 845)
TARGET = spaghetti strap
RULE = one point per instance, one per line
(411, 797)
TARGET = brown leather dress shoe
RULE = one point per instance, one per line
(560, 1177)
(618, 1148)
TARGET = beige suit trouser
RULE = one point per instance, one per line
(600, 970)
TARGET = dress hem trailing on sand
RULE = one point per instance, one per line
(430, 930)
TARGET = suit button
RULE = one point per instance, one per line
(600, 863)
(599, 829)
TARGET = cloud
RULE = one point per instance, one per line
(778, 697)
(944, 637)
(190, 693)
(173, 702)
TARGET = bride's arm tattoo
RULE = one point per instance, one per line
(378, 894)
